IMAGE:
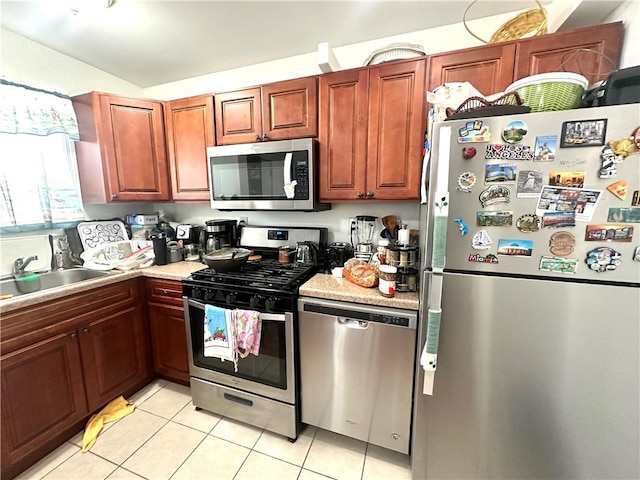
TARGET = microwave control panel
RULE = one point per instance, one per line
(302, 177)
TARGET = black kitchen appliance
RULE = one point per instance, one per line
(338, 253)
(188, 233)
(620, 87)
(264, 391)
(217, 234)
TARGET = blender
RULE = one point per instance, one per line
(365, 225)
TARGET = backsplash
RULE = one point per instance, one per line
(24, 246)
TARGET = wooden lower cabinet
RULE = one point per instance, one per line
(168, 334)
(63, 360)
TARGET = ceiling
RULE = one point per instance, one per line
(149, 42)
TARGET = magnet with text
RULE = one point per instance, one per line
(494, 219)
(464, 229)
(474, 132)
(608, 168)
(635, 199)
(529, 183)
(494, 194)
(515, 248)
(468, 153)
(481, 240)
(558, 265)
(500, 173)
(466, 180)
(562, 244)
(619, 189)
(624, 215)
(559, 219)
(567, 179)
(609, 232)
(490, 258)
(508, 152)
(514, 131)
(603, 258)
(545, 148)
(528, 223)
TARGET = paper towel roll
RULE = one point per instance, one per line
(403, 235)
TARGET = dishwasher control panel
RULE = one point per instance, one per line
(357, 314)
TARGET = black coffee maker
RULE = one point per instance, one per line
(338, 253)
(217, 234)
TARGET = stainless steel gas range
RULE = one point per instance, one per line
(264, 391)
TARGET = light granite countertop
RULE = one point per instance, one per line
(333, 288)
(173, 271)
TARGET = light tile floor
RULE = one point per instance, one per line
(166, 438)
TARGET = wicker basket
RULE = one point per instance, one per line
(531, 22)
(548, 92)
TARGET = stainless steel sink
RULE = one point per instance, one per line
(48, 280)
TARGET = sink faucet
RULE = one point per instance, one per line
(21, 263)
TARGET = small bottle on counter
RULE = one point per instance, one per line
(380, 257)
(387, 280)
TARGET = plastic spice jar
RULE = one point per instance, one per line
(387, 280)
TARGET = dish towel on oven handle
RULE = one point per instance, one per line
(219, 334)
(248, 329)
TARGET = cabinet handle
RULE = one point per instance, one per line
(369, 194)
(165, 292)
(265, 136)
(360, 194)
(114, 196)
(85, 330)
(73, 335)
(257, 138)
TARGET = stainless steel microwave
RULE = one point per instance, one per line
(274, 175)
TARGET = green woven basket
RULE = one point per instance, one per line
(550, 92)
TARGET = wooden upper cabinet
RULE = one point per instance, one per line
(238, 116)
(372, 124)
(592, 51)
(343, 134)
(489, 68)
(122, 152)
(189, 123)
(397, 122)
(276, 111)
(290, 109)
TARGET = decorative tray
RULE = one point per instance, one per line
(94, 234)
(508, 104)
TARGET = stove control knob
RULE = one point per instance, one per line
(196, 293)
(270, 304)
(231, 298)
(254, 301)
(209, 294)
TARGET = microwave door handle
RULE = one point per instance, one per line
(287, 168)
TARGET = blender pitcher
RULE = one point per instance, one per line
(365, 226)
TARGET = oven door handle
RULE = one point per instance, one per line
(263, 316)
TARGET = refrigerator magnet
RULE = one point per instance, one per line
(624, 215)
(515, 248)
(464, 229)
(466, 180)
(603, 259)
(608, 168)
(514, 131)
(481, 240)
(500, 173)
(529, 183)
(608, 233)
(528, 223)
(494, 219)
(545, 148)
(623, 147)
(494, 194)
(474, 132)
(559, 219)
(562, 244)
(635, 199)
(559, 265)
(567, 179)
(508, 152)
(583, 133)
(636, 254)
(490, 258)
(468, 153)
(619, 189)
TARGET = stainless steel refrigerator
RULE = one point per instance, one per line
(529, 332)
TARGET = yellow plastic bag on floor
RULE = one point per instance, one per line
(114, 410)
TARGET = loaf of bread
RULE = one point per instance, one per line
(360, 273)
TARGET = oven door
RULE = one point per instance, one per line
(269, 374)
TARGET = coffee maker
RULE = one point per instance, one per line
(217, 234)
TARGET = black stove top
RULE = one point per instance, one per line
(269, 274)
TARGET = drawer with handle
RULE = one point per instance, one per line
(167, 292)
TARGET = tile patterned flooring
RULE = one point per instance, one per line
(165, 438)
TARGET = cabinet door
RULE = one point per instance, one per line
(593, 52)
(42, 395)
(169, 342)
(290, 109)
(114, 355)
(343, 135)
(489, 68)
(134, 149)
(397, 122)
(189, 133)
(238, 116)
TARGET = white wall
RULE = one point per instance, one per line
(629, 13)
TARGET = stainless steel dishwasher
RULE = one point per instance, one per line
(356, 370)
